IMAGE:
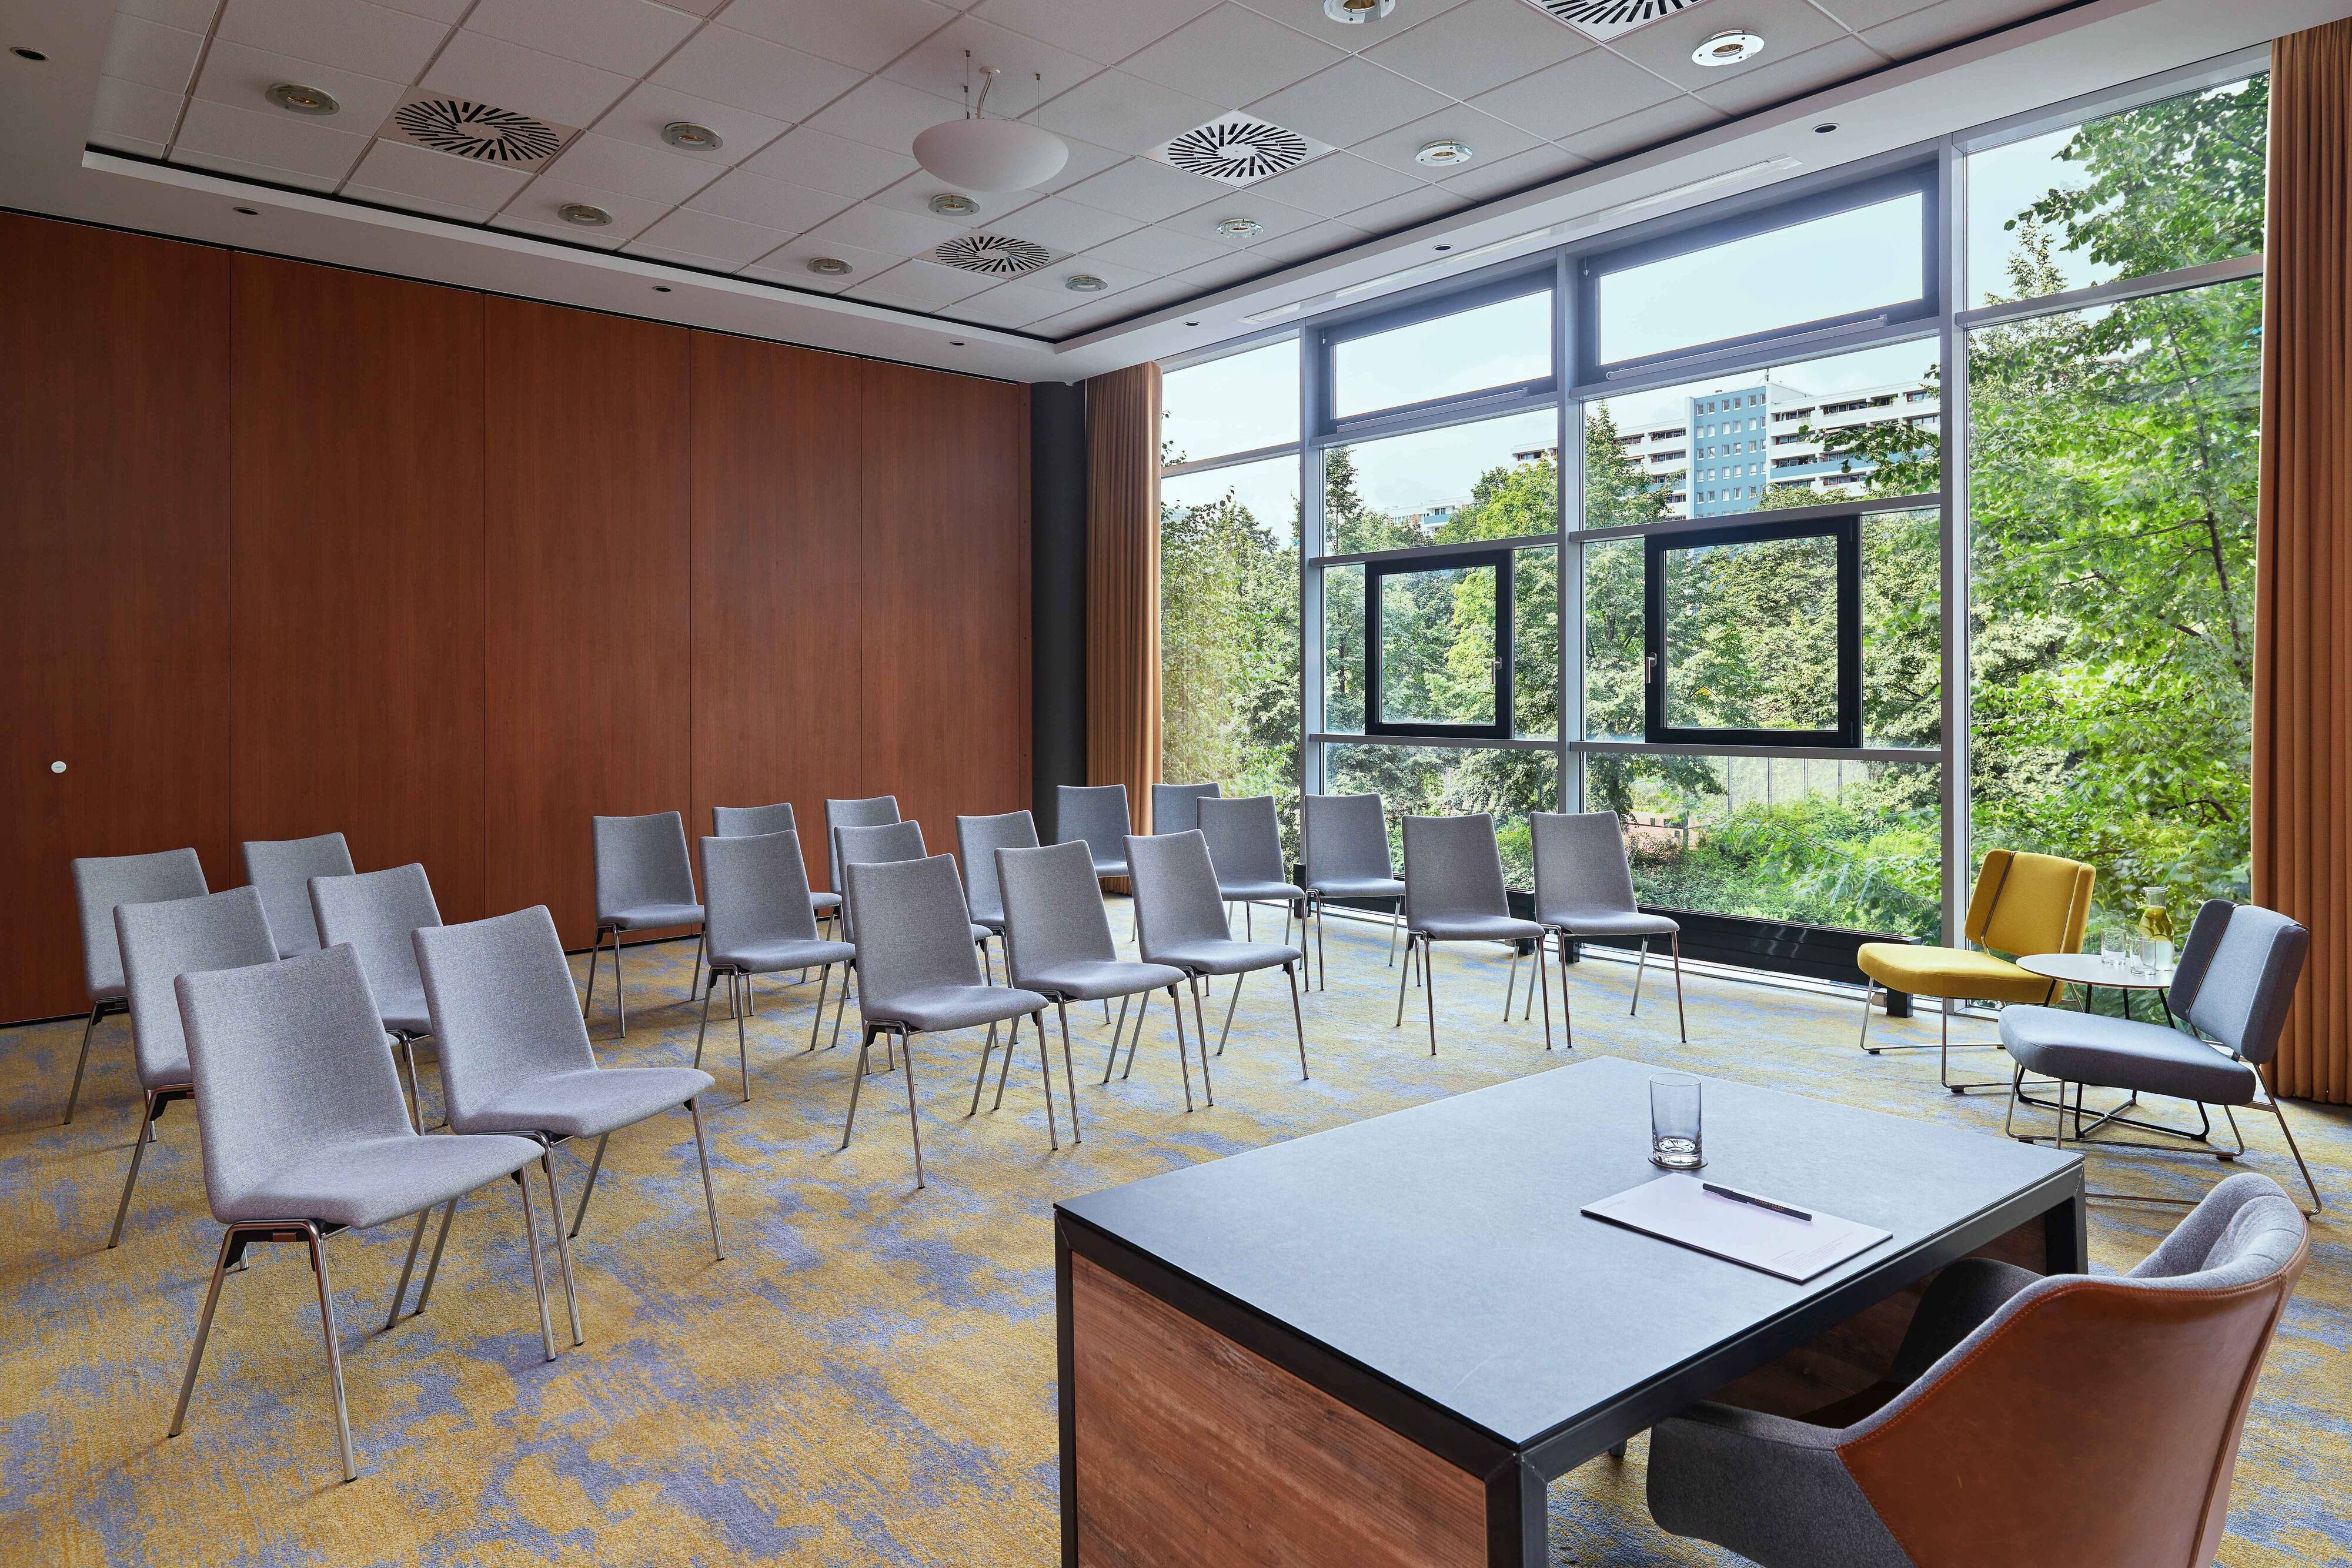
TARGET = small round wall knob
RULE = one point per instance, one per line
(56, 767)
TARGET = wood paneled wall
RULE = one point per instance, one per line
(287, 550)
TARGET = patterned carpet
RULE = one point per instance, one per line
(869, 1377)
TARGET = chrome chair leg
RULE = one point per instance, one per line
(709, 1195)
(1682, 1018)
(433, 1268)
(408, 1059)
(1401, 977)
(73, 1095)
(841, 1001)
(596, 952)
(318, 1245)
(1069, 1072)
(1543, 980)
(204, 1333)
(1429, 990)
(1046, 1075)
(1201, 1028)
(1395, 923)
(816, 1020)
(400, 1292)
(1296, 1022)
(1639, 969)
(1511, 986)
(594, 1165)
(2317, 1202)
(138, 1153)
(1869, 989)
(742, 1048)
(1226, 1032)
(1135, 1034)
(980, 1079)
(703, 1030)
(1184, 1057)
(620, 992)
(857, 1078)
(1117, 1029)
(914, 1120)
(563, 1239)
(538, 1267)
(1322, 957)
(1567, 1010)
(694, 976)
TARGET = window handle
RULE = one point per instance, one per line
(1650, 667)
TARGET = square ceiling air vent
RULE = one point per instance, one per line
(1610, 18)
(1238, 149)
(482, 132)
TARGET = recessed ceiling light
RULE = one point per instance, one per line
(955, 342)
(1443, 247)
(301, 100)
(1728, 48)
(246, 212)
(586, 216)
(1825, 127)
(1444, 154)
(1191, 323)
(1239, 228)
(953, 206)
(1355, 13)
(829, 266)
(661, 288)
(25, 54)
(1084, 283)
(692, 137)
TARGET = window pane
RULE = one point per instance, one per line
(1851, 844)
(1751, 635)
(2111, 490)
(1850, 424)
(1238, 403)
(1497, 479)
(1496, 345)
(1902, 629)
(1613, 641)
(1438, 646)
(1534, 637)
(1266, 490)
(1430, 780)
(2167, 185)
(1842, 265)
(1343, 649)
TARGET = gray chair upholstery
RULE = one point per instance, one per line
(1096, 816)
(1179, 921)
(160, 943)
(1176, 808)
(1344, 840)
(918, 974)
(1584, 888)
(644, 883)
(102, 882)
(1454, 892)
(1782, 1492)
(515, 1056)
(304, 1133)
(750, 822)
(1244, 842)
(1057, 943)
(374, 912)
(873, 811)
(977, 841)
(760, 923)
(282, 870)
(2234, 983)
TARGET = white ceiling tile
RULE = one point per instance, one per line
(241, 77)
(632, 169)
(352, 33)
(279, 141)
(406, 201)
(1063, 225)
(438, 177)
(114, 141)
(1104, 31)
(914, 194)
(938, 66)
(788, 264)
(1335, 184)
(870, 228)
(1352, 101)
(491, 70)
(1212, 276)
(639, 118)
(1306, 15)
(1577, 94)
(698, 7)
(756, 74)
(1156, 251)
(1083, 318)
(130, 110)
(1952, 22)
(245, 168)
(1114, 110)
(1411, 210)
(867, 35)
(1861, 14)
(920, 286)
(1839, 59)
(1643, 128)
(1003, 306)
(1478, 45)
(1317, 239)
(1787, 26)
(1490, 140)
(151, 54)
(711, 238)
(1482, 181)
(1144, 189)
(189, 16)
(1273, 218)
(542, 201)
(1231, 56)
(772, 204)
(449, 11)
(560, 232)
(1087, 160)
(625, 36)
(828, 162)
(1053, 283)
(886, 114)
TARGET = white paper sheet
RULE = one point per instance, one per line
(1679, 1209)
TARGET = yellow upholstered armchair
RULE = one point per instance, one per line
(2023, 904)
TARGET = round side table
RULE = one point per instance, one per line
(2090, 971)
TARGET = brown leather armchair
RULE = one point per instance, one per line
(2088, 1422)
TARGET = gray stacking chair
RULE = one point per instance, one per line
(282, 870)
(1094, 815)
(750, 822)
(644, 883)
(1245, 847)
(161, 942)
(515, 1057)
(882, 844)
(1057, 943)
(1584, 888)
(918, 974)
(760, 923)
(304, 1136)
(1176, 808)
(977, 841)
(873, 811)
(1179, 921)
(102, 882)
(1346, 840)
(374, 912)
(1453, 892)
(2236, 980)
(2006, 1383)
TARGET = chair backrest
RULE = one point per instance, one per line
(1176, 900)
(2137, 1387)
(750, 822)
(102, 882)
(880, 844)
(1345, 838)
(2029, 904)
(288, 1057)
(282, 870)
(161, 942)
(641, 861)
(1096, 815)
(916, 933)
(1053, 910)
(977, 841)
(755, 890)
(870, 812)
(1245, 840)
(2237, 975)
(1580, 864)
(1176, 808)
(374, 913)
(504, 1010)
(1452, 866)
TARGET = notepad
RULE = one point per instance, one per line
(1679, 1209)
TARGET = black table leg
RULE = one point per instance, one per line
(1518, 1517)
(2066, 1235)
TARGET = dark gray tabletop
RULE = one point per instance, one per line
(1442, 1246)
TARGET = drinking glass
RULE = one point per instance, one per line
(1674, 1121)
(2112, 944)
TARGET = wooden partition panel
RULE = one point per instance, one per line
(357, 646)
(777, 598)
(113, 576)
(588, 630)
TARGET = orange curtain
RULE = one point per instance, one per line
(1123, 584)
(2303, 640)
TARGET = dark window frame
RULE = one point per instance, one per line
(1516, 286)
(1378, 570)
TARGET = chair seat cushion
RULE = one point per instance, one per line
(1258, 892)
(952, 1007)
(979, 933)
(1093, 980)
(2123, 1053)
(1109, 868)
(824, 903)
(1950, 972)
(1608, 922)
(1357, 887)
(369, 1182)
(587, 1103)
(1215, 958)
(651, 916)
(1476, 929)
(767, 958)
(109, 994)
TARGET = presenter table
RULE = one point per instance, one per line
(1376, 1345)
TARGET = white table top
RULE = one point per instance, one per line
(2091, 970)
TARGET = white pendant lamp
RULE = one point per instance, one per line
(988, 155)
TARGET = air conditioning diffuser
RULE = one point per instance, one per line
(1238, 149)
(482, 132)
(1610, 18)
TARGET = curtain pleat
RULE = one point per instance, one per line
(1123, 584)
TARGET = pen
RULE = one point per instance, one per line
(1749, 1199)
